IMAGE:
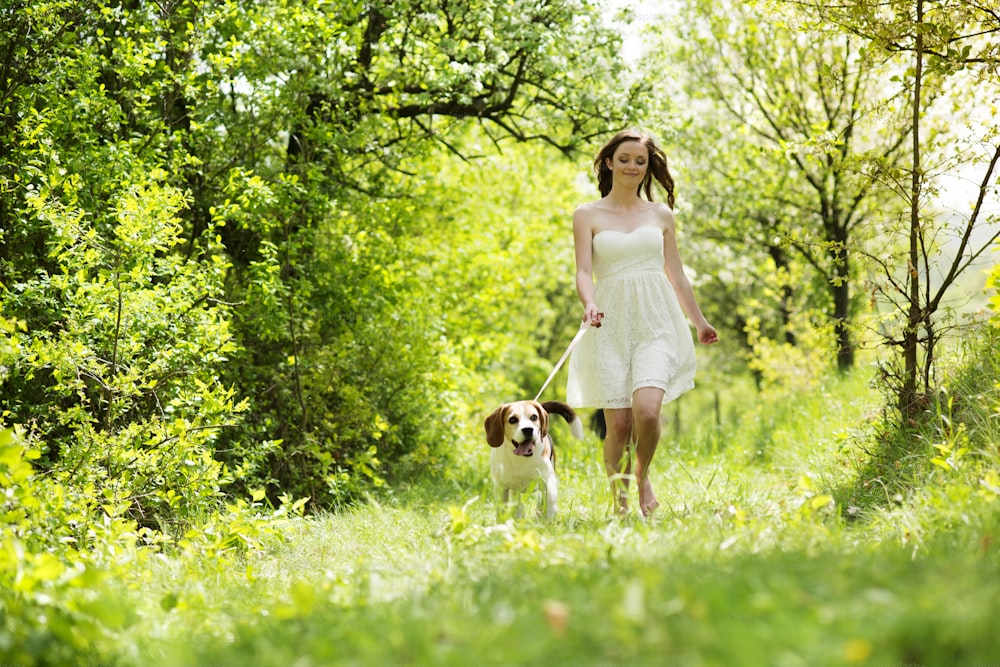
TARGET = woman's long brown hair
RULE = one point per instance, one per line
(657, 166)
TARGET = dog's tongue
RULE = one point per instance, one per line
(523, 449)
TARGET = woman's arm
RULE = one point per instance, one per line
(583, 240)
(674, 268)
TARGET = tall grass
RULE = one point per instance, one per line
(935, 472)
(809, 530)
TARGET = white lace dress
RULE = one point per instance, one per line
(644, 340)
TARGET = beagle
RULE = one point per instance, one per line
(522, 451)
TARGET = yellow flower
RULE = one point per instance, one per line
(857, 650)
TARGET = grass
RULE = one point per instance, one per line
(786, 536)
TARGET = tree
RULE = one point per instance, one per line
(287, 137)
(363, 94)
(949, 57)
(780, 140)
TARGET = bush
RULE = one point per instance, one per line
(115, 378)
(56, 606)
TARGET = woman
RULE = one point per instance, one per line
(638, 351)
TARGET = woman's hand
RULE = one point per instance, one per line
(707, 334)
(592, 316)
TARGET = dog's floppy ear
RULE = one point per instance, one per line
(543, 419)
(495, 426)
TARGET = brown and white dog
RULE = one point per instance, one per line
(523, 452)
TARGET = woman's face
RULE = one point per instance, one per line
(630, 161)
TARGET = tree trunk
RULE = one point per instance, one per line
(914, 316)
(841, 289)
(787, 293)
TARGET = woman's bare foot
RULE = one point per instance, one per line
(647, 499)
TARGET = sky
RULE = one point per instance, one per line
(644, 13)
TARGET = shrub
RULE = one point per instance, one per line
(115, 378)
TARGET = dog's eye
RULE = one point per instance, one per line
(534, 418)
(512, 420)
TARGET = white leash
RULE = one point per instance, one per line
(562, 359)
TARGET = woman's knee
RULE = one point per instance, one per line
(619, 423)
(646, 416)
(647, 420)
(646, 405)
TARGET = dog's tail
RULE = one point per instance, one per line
(567, 413)
(598, 424)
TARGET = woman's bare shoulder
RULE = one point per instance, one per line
(588, 208)
(664, 216)
(586, 214)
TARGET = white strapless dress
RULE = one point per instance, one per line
(644, 340)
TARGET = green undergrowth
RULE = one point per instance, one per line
(937, 470)
(770, 547)
(620, 595)
(759, 554)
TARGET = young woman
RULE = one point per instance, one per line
(638, 351)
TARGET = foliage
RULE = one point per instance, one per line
(267, 150)
(117, 379)
(942, 457)
(70, 552)
(993, 283)
(390, 367)
(751, 557)
(69, 565)
(56, 603)
(260, 255)
(945, 59)
(784, 136)
(350, 360)
(789, 366)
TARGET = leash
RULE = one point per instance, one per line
(562, 359)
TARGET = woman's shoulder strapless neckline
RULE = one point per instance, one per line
(628, 233)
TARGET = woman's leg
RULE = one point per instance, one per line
(617, 459)
(646, 404)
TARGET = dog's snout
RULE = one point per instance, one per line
(528, 431)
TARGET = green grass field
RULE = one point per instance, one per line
(799, 533)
